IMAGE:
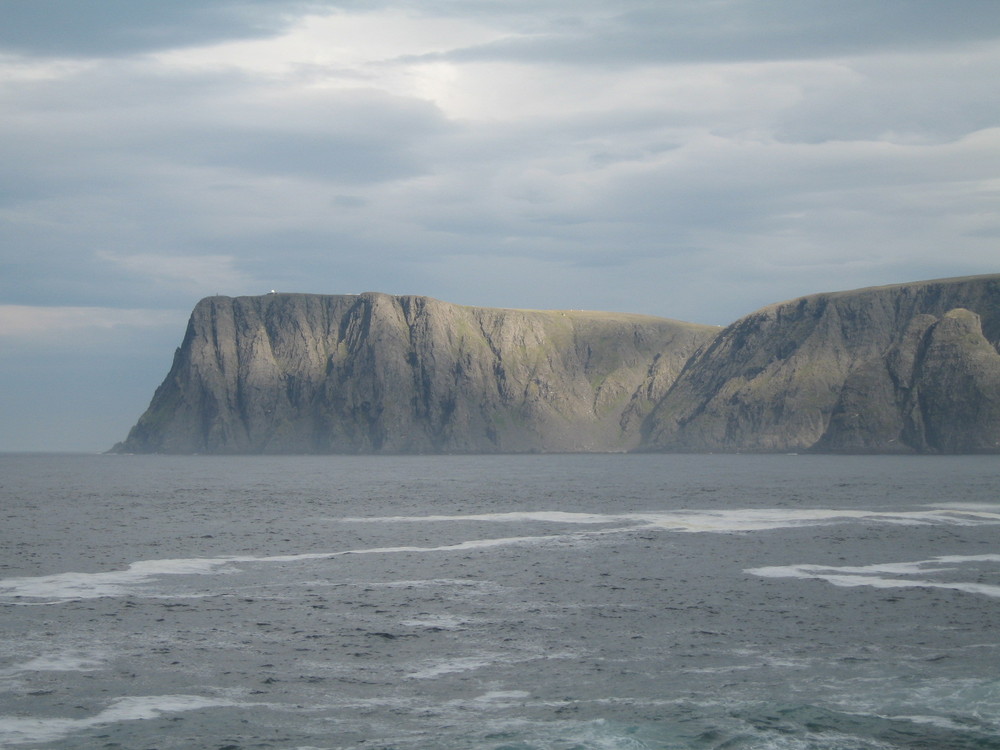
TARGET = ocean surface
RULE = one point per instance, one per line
(501, 602)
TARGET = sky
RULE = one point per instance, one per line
(693, 159)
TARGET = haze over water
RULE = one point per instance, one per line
(502, 602)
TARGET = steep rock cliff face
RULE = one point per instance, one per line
(905, 368)
(295, 373)
(937, 390)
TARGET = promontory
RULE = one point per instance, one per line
(907, 368)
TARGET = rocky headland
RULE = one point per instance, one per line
(374, 373)
(908, 368)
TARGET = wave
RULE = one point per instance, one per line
(875, 575)
(62, 587)
(71, 586)
(16, 730)
(73, 660)
(720, 521)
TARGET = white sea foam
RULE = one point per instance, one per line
(502, 696)
(73, 586)
(550, 516)
(464, 664)
(874, 575)
(438, 622)
(720, 521)
(17, 730)
(64, 661)
(963, 505)
(763, 519)
(941, 722)
(134, 579)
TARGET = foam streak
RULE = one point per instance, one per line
(63, 587)
(874, 575)
(23, 730)
(75, 586)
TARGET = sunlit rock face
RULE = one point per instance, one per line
(374, 373)
(900, 369)
(897, 369)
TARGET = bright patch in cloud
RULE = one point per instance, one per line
(351, 46)
(196, 273)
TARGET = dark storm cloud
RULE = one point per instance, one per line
(353, 139)
(642, 33)
(89, 119)
(630, 33)
(98, 28)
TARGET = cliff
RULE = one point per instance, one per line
(900, 369)
(371, 373)
(909, 368)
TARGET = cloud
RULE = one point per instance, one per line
(113, 27)
(193, 273)
(694, 159)
(237, 152)
(75, 378)
(348, 138)
(349, 47)
(32, 322)
(700, 31)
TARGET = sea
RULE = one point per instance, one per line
(543, 602)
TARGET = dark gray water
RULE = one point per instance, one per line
(528, 603)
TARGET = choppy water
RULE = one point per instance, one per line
(528, 603)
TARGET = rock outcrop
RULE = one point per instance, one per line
(373, 373)
(910, 368)
(899, 369)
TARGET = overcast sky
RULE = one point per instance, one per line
(694, 159)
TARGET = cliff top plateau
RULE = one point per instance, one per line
(905, 368)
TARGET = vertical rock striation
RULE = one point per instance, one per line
(904, 368)
(370, 373)
(910, 368)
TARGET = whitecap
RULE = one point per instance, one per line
(546, 516)
(718, 521)
(875, 575)
(764, 519)
(452, 666)
(502, 696)
(73, 586)
(62, 661)
(17, 730)
(62, 587)
(133, 580)
(437, 622)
